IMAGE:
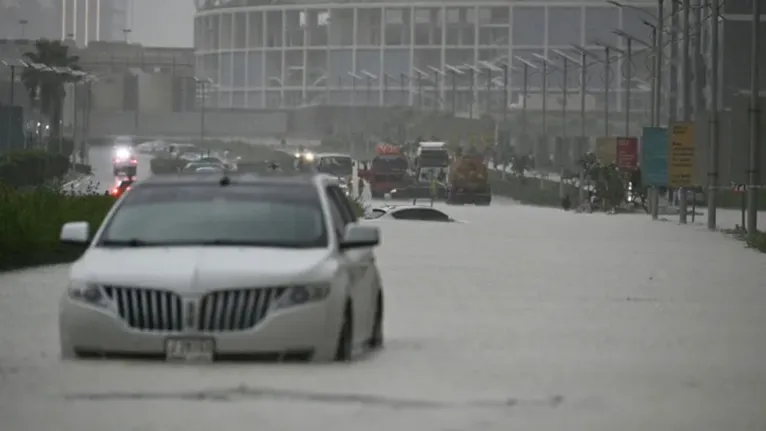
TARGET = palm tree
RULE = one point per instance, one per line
(46, 87)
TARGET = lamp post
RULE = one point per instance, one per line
(628, 55)
(525, 90)
(491, 68)
(420, 76)
(204, 83)
(581, 62)
(472, 71)
(454, 71)
(437, 86)
(369, 77)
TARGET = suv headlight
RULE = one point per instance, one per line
(303, 294)
(88, 293)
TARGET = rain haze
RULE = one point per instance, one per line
(163, 22)
(514, 317)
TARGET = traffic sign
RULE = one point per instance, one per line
(681, 157)
(627, 153)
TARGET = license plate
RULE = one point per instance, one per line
(189, 349)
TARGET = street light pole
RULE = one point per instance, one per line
(607, 78)
(505, 93)
(713, 143)
(659, 31)
(628, 83)
(488, 101)
(755, 117)
(565, 94)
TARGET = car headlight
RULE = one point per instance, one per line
(303, 294)
(88, 293)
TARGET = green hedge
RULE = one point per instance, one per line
(531, 191)
(31, 168)
(31, 224)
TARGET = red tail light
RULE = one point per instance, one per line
(115, 191)
(133, 161)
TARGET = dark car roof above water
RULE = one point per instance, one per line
(275, 178)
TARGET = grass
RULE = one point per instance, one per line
(32, 221)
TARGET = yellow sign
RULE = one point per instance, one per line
(681, 157)
(606, 149)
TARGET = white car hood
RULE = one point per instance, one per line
(198, 269)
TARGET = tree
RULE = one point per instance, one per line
(46, 87)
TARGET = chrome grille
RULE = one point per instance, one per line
(147, 309)
(236, 309)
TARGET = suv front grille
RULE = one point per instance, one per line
(236, 309)
(147, 309)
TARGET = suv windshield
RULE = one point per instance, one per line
(246, 215)
(335, 165)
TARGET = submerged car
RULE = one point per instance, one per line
(201, 268)
(408, 212)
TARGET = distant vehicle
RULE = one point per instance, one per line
(468, 181)
(124, 161)
(335, 164)
(228, 165)
(408, 212)
(121, 187)
(210, 169)
(388, 170)
(194, 166)
(279, 266)
(152, 147)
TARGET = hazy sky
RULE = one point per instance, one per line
(163, 22)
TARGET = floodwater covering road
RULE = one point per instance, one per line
(520, 318)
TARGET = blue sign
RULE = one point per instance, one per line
(654, 156)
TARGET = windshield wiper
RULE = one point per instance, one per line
(241, 243)
(133, 242)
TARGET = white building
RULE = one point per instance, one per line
(276, 53)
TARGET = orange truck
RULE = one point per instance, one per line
(468, 181)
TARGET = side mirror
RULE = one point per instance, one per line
(75, 233)
(360, 236)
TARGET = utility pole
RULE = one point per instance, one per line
(713, 131)
(686, 102)
(754, 177)
(505, 93)
(583, 118)
(628, 83)
(488, 102)
(607, 83)
(565, 95)
(659, 31)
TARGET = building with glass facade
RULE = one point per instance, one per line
(267, 54)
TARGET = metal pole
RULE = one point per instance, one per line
(403, 90)
(657, 34)
(655, 80)
(564, 94)
(673, 93)
(545, 102)
(698, 64)
(525, 96)
(454, 92)
(583, 123)
(686, 101)
(712, 172)
(202, 115)
(472, 76)
(607, 78)
(488, 102)
(420, 91)
(13, 100)
(505, 93)
(755, 116)
(628, 84)
(658, 48)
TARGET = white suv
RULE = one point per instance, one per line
(229, 268)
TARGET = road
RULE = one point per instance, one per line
(520, 318)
